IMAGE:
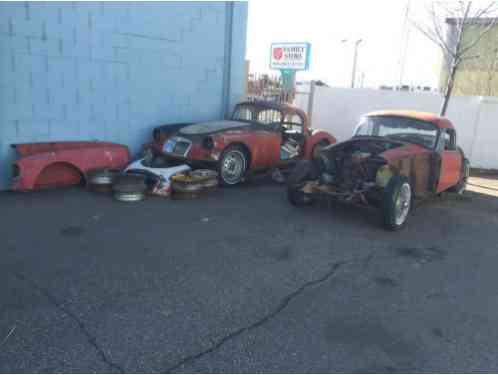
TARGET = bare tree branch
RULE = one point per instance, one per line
(493, 23)
(457, 42)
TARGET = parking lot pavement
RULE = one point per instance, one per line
(241, 281)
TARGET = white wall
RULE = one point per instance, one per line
(338, 110)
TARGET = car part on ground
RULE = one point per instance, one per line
(394, 158)
(303, 172)
(259, 137)
(194, 184)
(277, 176)
(101, 180)
(157, 172)
(129, 187)
(55, 164)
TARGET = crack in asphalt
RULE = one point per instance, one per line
(279, 308)
(82, 327)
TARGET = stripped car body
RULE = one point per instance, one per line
(54, 164)
(393, 158)
(258, 137)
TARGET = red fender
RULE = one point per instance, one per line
(63, 163)
(317, 135)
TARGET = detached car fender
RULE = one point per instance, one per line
(63, 163)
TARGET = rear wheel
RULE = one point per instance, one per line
(397, 202)
(233, 165)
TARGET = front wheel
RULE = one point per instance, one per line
(233, 165)
(397, 202)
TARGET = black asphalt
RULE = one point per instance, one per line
(241, 281)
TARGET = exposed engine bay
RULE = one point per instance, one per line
(350, 170)
(292, 144)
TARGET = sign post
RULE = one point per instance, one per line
(289, 58)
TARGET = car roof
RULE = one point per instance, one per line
(440, 122)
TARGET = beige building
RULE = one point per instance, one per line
(478, 73)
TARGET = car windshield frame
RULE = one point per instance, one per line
(255, 110)
(407, 120)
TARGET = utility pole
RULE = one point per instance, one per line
(405, 38)
(355, 59)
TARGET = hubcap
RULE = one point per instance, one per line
(402, 205)
(233, 166)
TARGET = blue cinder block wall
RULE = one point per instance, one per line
(112, 71)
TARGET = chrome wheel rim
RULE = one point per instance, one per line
(102, 180)
(233, 166)
(402, 205)
(129, 197)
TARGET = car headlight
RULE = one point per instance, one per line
(383, 176)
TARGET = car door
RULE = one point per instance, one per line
(266, 138)
(451, 160)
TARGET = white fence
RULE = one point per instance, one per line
(338, 111)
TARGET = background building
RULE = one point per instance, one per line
(478, 74)
(112, 71)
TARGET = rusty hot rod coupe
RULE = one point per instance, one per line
(393, 158)
(258, 137)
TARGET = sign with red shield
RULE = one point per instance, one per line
(290, 56)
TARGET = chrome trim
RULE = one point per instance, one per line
(129, 197)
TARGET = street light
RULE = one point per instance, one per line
(355, 58)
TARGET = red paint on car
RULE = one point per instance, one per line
(42, 165)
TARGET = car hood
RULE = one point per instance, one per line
(213, 127)
(141, 165)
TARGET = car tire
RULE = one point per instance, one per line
(461, 186)
(304, 171)
(129, 187)
(101, 180)
(397, 202)
(233, 165)
(195, 182)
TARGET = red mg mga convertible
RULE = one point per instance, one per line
(393, 158)
(258, 137)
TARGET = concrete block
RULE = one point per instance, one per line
(33, 130)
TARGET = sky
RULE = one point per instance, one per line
(380, 23)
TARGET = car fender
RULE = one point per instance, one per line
(317, 135)
(263, 149)
(32, 168)
(82, 160)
